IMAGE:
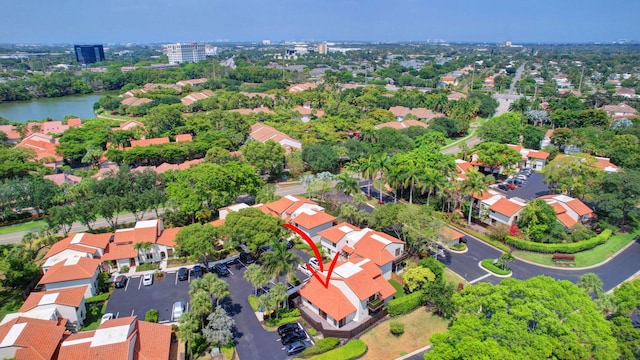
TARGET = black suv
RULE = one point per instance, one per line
(293, 336)
(283, 329)
(221, 269)
(121, 281)
(197, 271)
(247, 258)
(183, 274)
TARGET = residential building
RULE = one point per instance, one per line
(74, 271)
(63, 178)
(44, 147)
(456, 96)
(135, 101)
(493, 207)
(620, 111)
(148, 142)
(357, 290)
(302, 87)
(192, 82)
(129, 125)
(569, 211)
(534, 159)
(184, 52)
(13, 136)
(402, 124)
(462, 167)
(89, 54)
(258, 110)
(24, 338)
(546, 140)
(601, 163)
(261, 132)
(627, 93)
(46, 127)
(306, 112)
(196, 96)
(400, 112)
(51, 305)
(312, 220)
(123, 338)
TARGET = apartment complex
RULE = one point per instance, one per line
(184, 53)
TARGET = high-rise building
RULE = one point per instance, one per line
(323, 48)
(184, 53)
(89, 54)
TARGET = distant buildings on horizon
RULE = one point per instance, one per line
(89, 54)
(184, 52)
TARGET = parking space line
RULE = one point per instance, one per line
(230, 272)
(117, 314)
(132, 311)
(140, 284)
(126, 286)
(176, 282)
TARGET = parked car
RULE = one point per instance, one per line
(525, 172)
(177, 310)
(247, 258)
(290, 244)
(197, 271)
(147, 279)
(221, 269)
(106, 317)
(283, 329)
(503, 186)
(183, 274)
(314, 262)
(519, 182)
(296, 347)
(264, 248)
(293, 336)
(121, 281)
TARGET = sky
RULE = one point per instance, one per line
(154, 21)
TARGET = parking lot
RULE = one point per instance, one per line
(137, 299)
(533, 188)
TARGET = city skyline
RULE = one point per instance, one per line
(143, 21)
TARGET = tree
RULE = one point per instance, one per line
(538, 221)
(197, 240)
(143, 248)
(219, 329)
(84, 212)
(538, 318)
(62, 217)
(617, 195)
(272, 299)
(474, 183)
(503, 129)
(280, 262)
(496, 155)
(347, 184)
(574, 174)
(439, 294)
(92, 155)
(162, 119)
(591, 283)
(189, 329)
(253, 228)
(418, 278)
(320, 157)
(267, 157)
(368, 171)
(256, 276)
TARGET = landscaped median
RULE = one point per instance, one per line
(496, 268)
(352, 350)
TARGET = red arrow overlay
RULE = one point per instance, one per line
(317, 253)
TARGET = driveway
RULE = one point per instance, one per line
(137, 299)
(533, 188)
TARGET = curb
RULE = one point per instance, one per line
(624, 281)
(415, 352)
(494, 274)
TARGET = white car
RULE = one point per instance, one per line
(147, 279)
(106, 317)
(314, 262)
(178, 309)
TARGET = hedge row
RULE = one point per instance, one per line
(352, 350)
(496, 269)
(566, 248)
(321, 346)
(405, 304)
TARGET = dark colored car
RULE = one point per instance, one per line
(289, 244)
(247, 258)
(503, 186)
(121, 281)
(183, 274)
(293, 336)
(296, 347)
(197, 271)
(221, 270)
(283, 329)
(264, 248)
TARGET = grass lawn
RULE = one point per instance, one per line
(419, 325)
(10, 301)
(450, 276)
(399, 289)
(32, 225)
(94, 315)
(585, 258)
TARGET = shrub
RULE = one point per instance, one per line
(97, 298)
(321, 346)
(151, 316)
(124, 269)
(147, 266)
(405, 304)
(459, 247)
(396, 327)
(351, 350)
(312, 331)
(569, 248)
(566, 257)
(496, 268)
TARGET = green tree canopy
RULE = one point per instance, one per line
(538, 221)
(253, 228)
(538, 318)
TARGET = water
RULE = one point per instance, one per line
(55, 108)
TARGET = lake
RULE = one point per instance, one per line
(55, 108)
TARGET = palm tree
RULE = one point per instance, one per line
(381, 163)
(394, 178)
(474, 184)
(411, 176)
(256, 276)
(280, 261)
(347, 184)
(429, 180)
(143, 247)
(368, 170)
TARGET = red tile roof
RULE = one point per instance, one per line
(82, 242)
(334, 234)
(566, 220)
(262, 133)
(374, 250)
(330, 300)
(32, 338)
(119, 251)
(288, 204)
(399, 110)
(184, 137)
(402, 124)
(63, 178)
(147, 142)
(450, 233)
(579, 207)
(43, 145)
(196, 96)
(310, 221)
(10, 131)
(71, 269)
(167, 237)
(154, 341)
(134, 101)
(70, 297)
(191, 82)
(302, 87)
(505, 207)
